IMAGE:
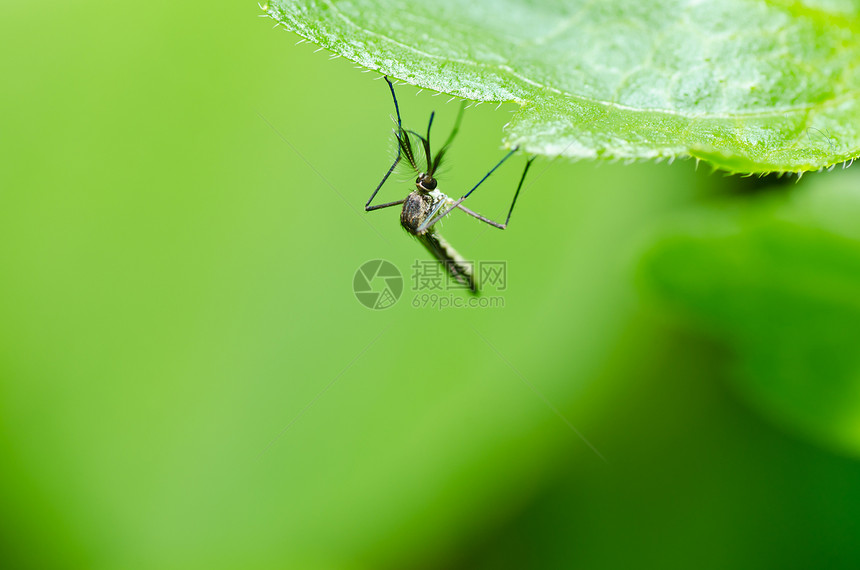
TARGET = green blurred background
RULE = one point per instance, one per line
(187, 380)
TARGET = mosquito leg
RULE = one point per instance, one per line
(368, 207)
(510, 211)
(429, 222)
(402, 149)
(396, 106)
(380, 206)
(482, 218)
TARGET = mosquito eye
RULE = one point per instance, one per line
(430, 183)
(418, 180)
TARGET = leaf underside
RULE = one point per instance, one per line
(746, 85)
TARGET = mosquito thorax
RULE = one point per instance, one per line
(425, 182)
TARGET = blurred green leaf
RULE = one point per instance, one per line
(786, 298)
(746, 85)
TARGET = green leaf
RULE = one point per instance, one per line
(746, 85)
(785, 298)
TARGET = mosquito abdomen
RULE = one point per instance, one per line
(457, 266)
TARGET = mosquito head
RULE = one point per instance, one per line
(425, 182)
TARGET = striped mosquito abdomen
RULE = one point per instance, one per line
(457, 266)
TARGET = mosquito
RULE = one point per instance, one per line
(426, 205)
